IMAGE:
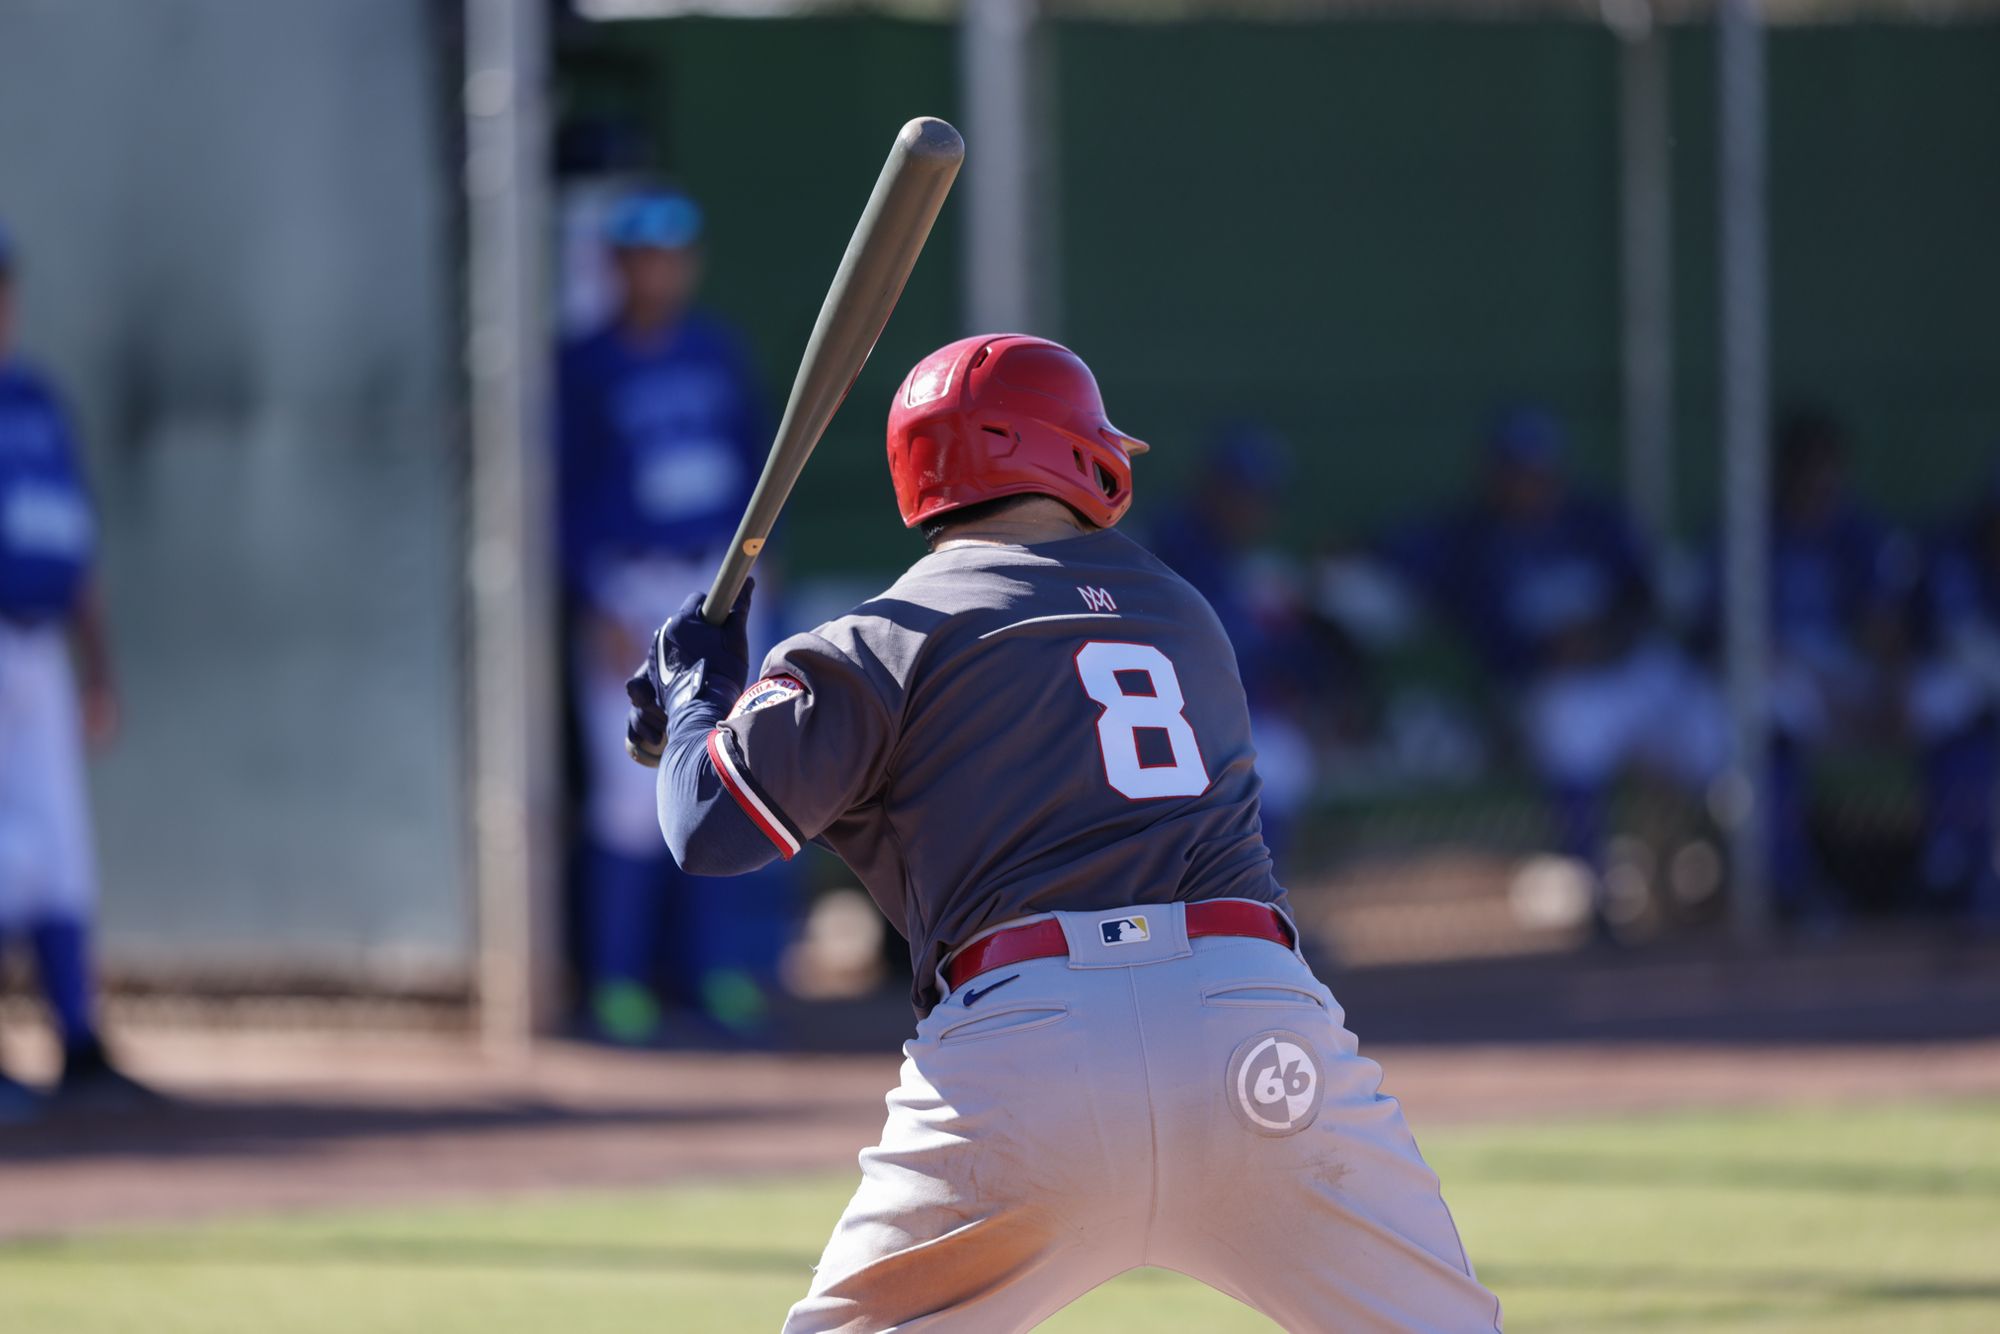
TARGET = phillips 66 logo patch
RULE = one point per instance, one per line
(763, 694)
(1274, 1083)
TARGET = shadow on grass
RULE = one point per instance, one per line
(1705, 1294)
(1587, 1169)
(254, 1129)
(1743, 1293)
(406, 1252)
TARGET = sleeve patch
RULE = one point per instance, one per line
(763, 694)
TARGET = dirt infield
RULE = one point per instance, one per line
(283, 1123)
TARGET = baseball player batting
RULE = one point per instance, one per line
(1034, 751)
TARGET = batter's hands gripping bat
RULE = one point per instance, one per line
(880, 255)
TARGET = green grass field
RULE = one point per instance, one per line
(1873, 1219)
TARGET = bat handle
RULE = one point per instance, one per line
(729, 579)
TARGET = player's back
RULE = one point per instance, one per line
(1071, 735)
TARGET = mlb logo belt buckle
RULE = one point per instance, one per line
(1045, 939)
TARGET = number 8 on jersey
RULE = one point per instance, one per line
(1149, 748)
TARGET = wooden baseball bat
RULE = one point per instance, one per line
(884, 248)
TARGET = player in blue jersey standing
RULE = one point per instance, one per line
(49, 607)
(660, 439)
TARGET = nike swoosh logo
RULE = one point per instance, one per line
(971, 995)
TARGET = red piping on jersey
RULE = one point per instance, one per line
(1045, 939)
(748, 800)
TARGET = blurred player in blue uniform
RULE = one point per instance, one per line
(1953, 706)
(48, 605)
(1552, 589)
(661, 436)
(1220, 539)
(1838, 580)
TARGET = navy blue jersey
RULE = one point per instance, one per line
(1960, 586)
(1519, 589)
(1827, 577)
(1009, 731)
(659, 444)
(48, 534)
(1277, 652)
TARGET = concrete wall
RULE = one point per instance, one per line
(236, 230)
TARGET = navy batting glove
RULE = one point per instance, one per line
(688, 656)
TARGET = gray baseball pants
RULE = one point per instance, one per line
(1191, 1105)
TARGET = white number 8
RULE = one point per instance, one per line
(1099, 665)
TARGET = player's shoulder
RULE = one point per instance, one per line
(25, 382)
(884, 637)
(977, 575)
(708, 328)
(582, 353)
(963, 599)
(870, 653)
(972, 591)
(28, 396)
(946, 597)
(708, 336)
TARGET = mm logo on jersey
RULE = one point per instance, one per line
(1124, 931)
(763, 694)
(1097, 599)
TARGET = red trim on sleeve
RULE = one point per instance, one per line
(753, 805)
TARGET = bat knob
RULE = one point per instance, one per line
(927, 136)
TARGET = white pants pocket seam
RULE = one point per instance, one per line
(981, 1026)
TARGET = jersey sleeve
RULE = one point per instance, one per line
(808, 741)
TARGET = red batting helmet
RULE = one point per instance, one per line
(1006, 415)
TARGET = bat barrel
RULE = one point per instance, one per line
(919, 172)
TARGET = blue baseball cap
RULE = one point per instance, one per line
(654, 220)
(1526, 436)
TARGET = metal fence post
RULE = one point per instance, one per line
(1645, 216)
(513, 715)
(1746, 480)
(996, 61)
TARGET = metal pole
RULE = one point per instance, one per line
(996, 43)
(513, 713)
(1746, 472)
(1646, 269)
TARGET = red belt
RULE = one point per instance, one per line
(1045, 939)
